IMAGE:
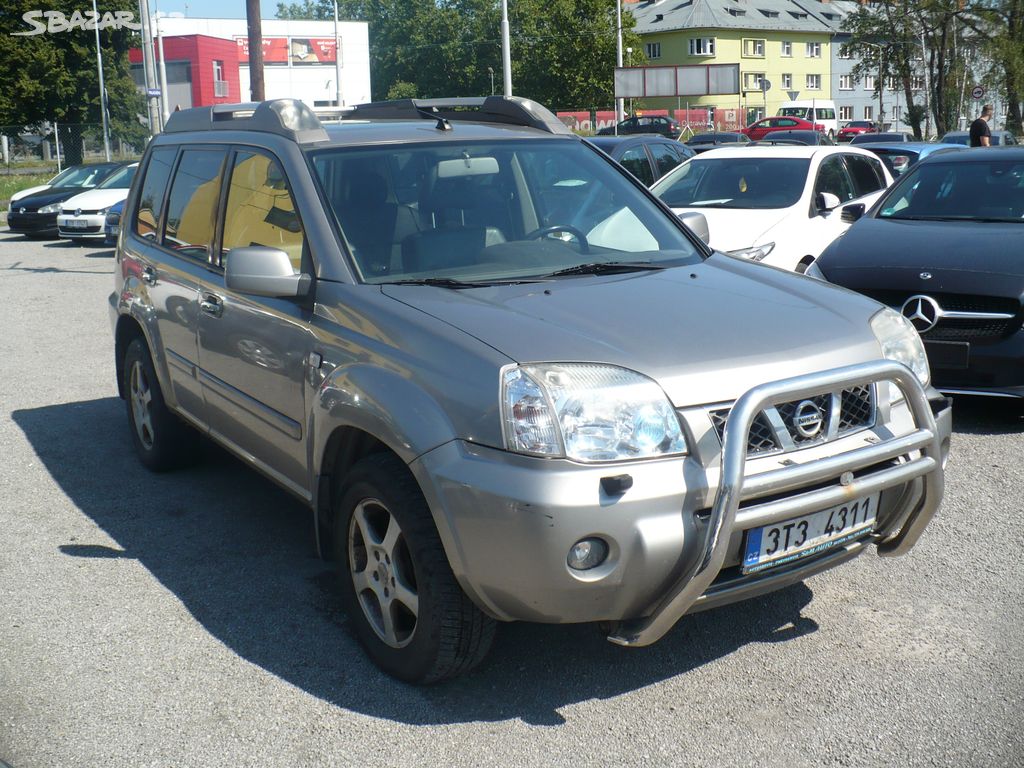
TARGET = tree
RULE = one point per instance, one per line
(1000, 24)
(52, 76)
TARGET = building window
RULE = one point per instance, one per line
(653, 50)
(753, 48)
(869, 82)
(220, 85)
(846, 113)
(893, 84)
(813, 51)
(702, 46)
(787, 81)
(787, 47)
(846, 82)
(917, 82)
(753, 81)
(869, 113)
(814, 82)
(845, 52)
(897, 113)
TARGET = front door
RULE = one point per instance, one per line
(253, 350)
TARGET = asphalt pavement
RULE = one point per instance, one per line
(184, 619)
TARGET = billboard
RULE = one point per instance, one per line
(692, 80)
(297, 51)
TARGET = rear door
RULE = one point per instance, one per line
(833, 177)
(253, 350)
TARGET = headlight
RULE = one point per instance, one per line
(587, 412)
(51, 208)
(756, 253)
(900, 342)
(113, 219)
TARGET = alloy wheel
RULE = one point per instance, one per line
(141, 396)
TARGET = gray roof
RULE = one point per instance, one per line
(768, 15)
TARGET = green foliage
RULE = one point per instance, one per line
(563, 51)
(402, 90)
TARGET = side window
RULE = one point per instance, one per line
(867, 178)
(151, 197)
(192, 204)
(832, 177)
(787, 123)
(635, 161)
(260, 209)
(665, 158)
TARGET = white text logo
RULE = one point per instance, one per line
(56, 21)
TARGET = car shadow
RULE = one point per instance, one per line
(987, 415)
(238, 553)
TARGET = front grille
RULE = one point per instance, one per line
(956, 329)
(777, 428)
(71, 212)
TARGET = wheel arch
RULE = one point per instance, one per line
(127, 330)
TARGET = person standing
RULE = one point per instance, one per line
(981, 136)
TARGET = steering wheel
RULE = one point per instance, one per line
(580, 237)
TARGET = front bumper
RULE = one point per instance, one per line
(508, 521)
(37, 224)
(993, 369)
(84, 227)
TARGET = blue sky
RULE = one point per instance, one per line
(216, 9)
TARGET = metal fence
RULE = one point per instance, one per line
(692, 120)
(59, 145)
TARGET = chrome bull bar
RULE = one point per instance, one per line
(734, 487)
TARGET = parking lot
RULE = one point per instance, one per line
(183, 619)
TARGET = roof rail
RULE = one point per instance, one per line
(508, 110)
(286, 117)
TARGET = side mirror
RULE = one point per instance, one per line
(852, 212)
(825, 201)
(697, 224)
(264, 271)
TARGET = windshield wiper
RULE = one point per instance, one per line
(607, 267)
(448, 282)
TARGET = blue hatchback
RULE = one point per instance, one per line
(900, 156)
(112, 223)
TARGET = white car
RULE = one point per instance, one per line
(82, 216)
(780, 205)
(84, 176)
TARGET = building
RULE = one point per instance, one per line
(207, 61)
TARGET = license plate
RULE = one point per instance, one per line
(948, 354)
(76, 224)
(799, 537)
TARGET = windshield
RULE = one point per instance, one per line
(121, 179)
(990, 190)
(81, 176)
(803, 112)
(491, 211)
(735, 182)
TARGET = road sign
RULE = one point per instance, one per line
(792, 95)
(977, 92)
(766, 84)
(153, 93)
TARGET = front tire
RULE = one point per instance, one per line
(409, 612)
(162, 441)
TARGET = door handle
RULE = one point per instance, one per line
(149, 275)
(212, 305)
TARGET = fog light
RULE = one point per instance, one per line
(587, 553)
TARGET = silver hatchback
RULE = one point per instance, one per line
(507, 381)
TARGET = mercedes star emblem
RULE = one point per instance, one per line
(808, 419)
(922, 311)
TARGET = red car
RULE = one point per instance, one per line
(764, 126)
(856, 128)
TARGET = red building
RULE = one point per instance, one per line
(201, 70)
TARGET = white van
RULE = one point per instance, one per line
(821, 111)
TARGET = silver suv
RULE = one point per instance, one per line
(507, 381)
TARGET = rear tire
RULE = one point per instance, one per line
(162, 441)
(409, 612)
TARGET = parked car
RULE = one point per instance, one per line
(112, 223)
(999, 138)
(761, 128)
(660, 124)
(856, 128)
(943, 248)
(509, 384)
(702, 142)
(900, 157)
(796, 137)
(888, 137)
(83, 216)
(780, 205)
(35, 215)
(648, 157)
(81, 176)
(818, 111)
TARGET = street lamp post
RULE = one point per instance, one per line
(103, 90)
(618, 59)
(337, 58)
(506, 49)
(881, 82)
(629, 63)
(490, 71)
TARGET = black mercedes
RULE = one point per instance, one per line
(945, 246)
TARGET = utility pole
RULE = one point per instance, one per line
(149, 68)
(252, 14)
(618, 59)
(103, 90)
(506, 46)
(337, 58)
(163, 64)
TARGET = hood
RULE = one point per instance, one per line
(25, 192)
(967, 258)
(731, 229)
(96, 199)
(48, 196)
(706, 333)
